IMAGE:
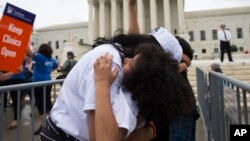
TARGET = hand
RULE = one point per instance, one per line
(182, 67)
(20, 68)
(186, 60)
(103, 72)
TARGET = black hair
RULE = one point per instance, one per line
(126, 43)
(185, 47)
(71, 54)
(188, 91)
(46, 50)
(156, 85)
(217, 70)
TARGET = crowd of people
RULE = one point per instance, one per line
(129, 87)
(37, 66)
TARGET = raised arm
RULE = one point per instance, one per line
(106, 127)
(133, 22)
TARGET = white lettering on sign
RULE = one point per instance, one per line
(8, 39)
(15, 29)
(240, 132)
(8, 53)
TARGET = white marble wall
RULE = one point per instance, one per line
(210, 20)
(110, 15)
(72, 33)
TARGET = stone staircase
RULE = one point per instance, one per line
(239, 70)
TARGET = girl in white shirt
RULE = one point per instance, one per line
(73, 115)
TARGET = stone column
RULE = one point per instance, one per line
(91, 23)
(113, 16)
(125, 15)
(153, 14)
(140, 15)
(107, 19)
(96, 19)
(102, 21)
(167, 15)
(181, 19)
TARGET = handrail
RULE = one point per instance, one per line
(222, 102)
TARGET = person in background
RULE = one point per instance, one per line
(180, 128)
(216, 67)
(225, 36)
(44, 65)
(4, 80)
(18, 78)
(67, 65)
(184, 128)
(29, 66)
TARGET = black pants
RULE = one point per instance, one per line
(225, 46)
(40, 100)
(53, 133)
(5, 94)
(14, 96)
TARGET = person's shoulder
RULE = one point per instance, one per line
(105, 47)
(38, 56)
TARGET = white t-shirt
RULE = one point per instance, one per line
(77, 96)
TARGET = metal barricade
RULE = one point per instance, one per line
(203, 98)
(222, 103)
(55, 84)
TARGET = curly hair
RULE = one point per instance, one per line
(46, 50)
(156, 85)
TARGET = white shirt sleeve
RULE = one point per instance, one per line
(125, 112)
(89, 91)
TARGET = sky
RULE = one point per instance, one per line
(51, 12)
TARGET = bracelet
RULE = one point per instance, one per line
(153, 128)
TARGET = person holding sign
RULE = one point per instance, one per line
(18, 78)
(16, 27)
(44, 65)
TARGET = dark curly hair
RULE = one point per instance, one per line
(156, 85)
(46, 50)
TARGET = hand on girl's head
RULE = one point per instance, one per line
(103, 70)
(186, 59)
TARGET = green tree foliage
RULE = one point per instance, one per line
(234, 48)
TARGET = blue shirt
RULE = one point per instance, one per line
(20, 75)
(43, 67)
